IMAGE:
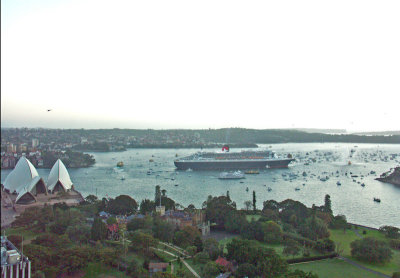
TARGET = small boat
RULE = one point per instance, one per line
(377, 200)
(230, 175)
(120, 164)
(247, 189)
(252, 172)
(363, 184)
(338, 183)
(122, 178)
(176, 184)
(349, 163)
(151, 160)
(269, 189)
(297, 189)
(189, 170)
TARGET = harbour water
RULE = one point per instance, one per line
(302, 181)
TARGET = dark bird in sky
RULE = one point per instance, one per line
(48, 110)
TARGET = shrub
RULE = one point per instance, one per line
(309, 259)
(326, 245)
(191, 250)
(201, 257)
(371, 250)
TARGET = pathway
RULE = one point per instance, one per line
(176, 248)
(183, 259)
(363, 267)
(356, 232)
(169, 253)
(191, 269)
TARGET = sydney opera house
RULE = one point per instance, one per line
(25, 182)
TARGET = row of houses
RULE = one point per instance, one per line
(25, 182)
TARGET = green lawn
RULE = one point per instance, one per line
(278, 248)
(130, 256)
(164, 256)
(225, 241)
(196, 267)
(21, 231)
(334, 268)
(344, 239)
(168, 248)
(95, 270)
(252, 217)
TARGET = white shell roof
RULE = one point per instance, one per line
(22, 175)
(59, 173)
(27, 188)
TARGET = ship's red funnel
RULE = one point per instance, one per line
(225, 148)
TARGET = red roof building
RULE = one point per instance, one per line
(227, 265)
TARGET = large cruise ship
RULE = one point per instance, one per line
(226, 160)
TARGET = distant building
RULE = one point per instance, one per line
(179, 219)
(35, 143)
(104, 214)
(113, 232)
(160, 210)
(13, 262)
(227, 265)
(156, 267)
(11, 148)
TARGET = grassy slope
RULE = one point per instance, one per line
(334, 268)
(349, 236)
(21, 231)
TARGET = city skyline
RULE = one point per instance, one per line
(200, 65)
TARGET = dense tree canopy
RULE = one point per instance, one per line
(217, 208)
(265, 260)
(122, 205)
(234, 221)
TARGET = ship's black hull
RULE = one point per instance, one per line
(231, 165)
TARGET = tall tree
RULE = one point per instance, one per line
(147, 206)
(328, 204)
(254, 201)
(157, 195)
(99, 229)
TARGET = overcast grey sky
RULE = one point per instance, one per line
(201, 64)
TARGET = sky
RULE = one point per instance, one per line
(201, 64)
